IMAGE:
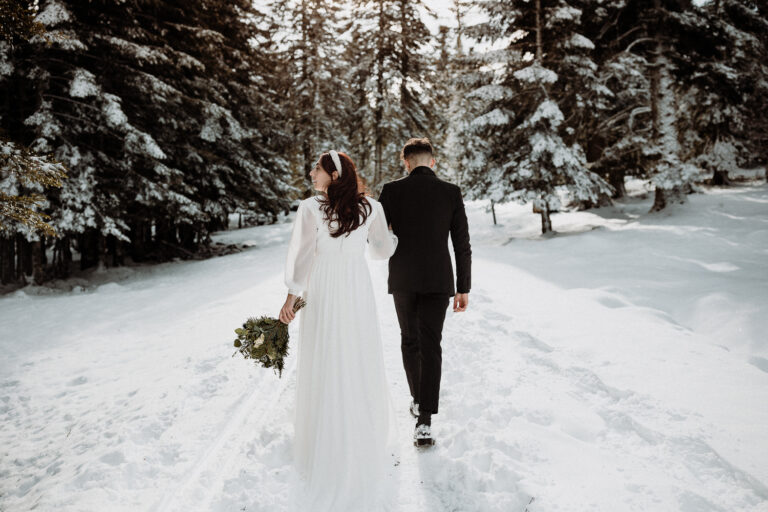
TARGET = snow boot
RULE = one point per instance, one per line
(422, 437)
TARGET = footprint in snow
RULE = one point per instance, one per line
(78, 381)
(529, 341)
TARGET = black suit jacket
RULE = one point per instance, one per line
(423, 210)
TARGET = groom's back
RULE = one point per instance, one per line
(423, 210)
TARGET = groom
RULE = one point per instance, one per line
(422, 210)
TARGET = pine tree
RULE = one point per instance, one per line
(538, 106)
(621, 132)
(654, 36)
(164, 121)
(727, 86)
(394, 39)
(464, 148)
(24, 176)
(317, 96)
(359, 111)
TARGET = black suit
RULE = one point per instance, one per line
(423, 210)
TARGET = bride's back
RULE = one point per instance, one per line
(352, 243)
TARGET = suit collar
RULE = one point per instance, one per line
(422, 169)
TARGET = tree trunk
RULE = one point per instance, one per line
(664, 197)
(25, 255)
(141, 240)
(38, 270)
(546, 220)
(659, 200)
(88, 244)
(721, 179)
(101, 248)
(20, 256)
(43, 254)
(187, 237)
(539, 51)
(493, 212)
(114, 251)
(656, 79)
(616, 179)
(7, 259)
(378, 114)
(62, 258)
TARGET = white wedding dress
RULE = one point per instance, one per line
(344, 421)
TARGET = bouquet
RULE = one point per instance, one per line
(265, 339)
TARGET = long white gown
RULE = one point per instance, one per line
(344, 421)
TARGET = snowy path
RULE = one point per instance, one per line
(125, 397)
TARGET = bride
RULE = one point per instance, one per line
(344, 421)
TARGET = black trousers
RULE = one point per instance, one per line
(421, 318)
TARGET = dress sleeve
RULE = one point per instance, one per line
(381, 241)
(301, 250)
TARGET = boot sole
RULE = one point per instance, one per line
(420, 443)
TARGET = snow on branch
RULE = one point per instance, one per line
(6, 66)
(547, 110)
(142, 53)
(491, 92)
(495, 117)
(579, 41)
(536, 74)
(53, 14)
(83, 84)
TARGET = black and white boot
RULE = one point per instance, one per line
(414, 409)
(423, 435)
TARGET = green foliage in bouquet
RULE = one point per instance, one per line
(265, 340)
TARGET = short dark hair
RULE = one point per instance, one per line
(416, 147)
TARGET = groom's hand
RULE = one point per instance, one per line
(460, 302)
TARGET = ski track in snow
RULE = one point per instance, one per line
(207, 473)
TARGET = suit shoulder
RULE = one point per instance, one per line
(450, 186)
(395, 183)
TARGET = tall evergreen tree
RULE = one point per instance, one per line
(654, 36)
(537, 109)
(395, 40)
(317, 97)
(467, 73)
(24, 176)
(161, 120)
(726, 86)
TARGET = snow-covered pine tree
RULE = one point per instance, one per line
(463, 150)
(310, 34)
(358, 111)
(160, 119)
(394, 37)
(620, 133)
(24, 176)
(544, 93)
(650, 35)
(416, 70)
(726, 86)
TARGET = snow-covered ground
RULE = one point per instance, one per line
(621, 365)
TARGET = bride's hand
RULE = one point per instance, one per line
(286, 313)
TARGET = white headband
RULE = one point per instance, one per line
(336, 161)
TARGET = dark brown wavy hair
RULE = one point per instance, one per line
(344, 201)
